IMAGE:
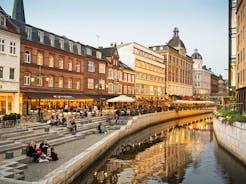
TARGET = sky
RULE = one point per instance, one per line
(202, 24)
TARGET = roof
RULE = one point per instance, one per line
(176, 42)
(108, 52)
(18, 11)
(196, 55)
(123, 65)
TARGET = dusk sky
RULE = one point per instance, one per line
(202, 23)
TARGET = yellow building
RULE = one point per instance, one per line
(241, 59)
(179, 66)
(149, 68)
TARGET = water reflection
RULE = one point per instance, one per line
(164, 154)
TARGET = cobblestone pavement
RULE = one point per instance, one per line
(36, 171)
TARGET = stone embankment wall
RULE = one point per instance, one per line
(232, 137)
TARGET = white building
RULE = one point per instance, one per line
(149, 69)
(201, 76)
(9, 65)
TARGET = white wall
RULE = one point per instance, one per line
(126, 55)
(231, 137)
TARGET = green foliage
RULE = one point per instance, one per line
(231, 116)
(12, 116)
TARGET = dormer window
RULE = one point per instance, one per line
(99, 55)
(28, 32)
(41, 36)
(88, 51)
(70, 44)
(52, 40)
(61, 43)
(79, 48)
(2, 20)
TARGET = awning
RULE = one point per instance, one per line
(36, 95)
(99, 97)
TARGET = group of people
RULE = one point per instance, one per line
(43, 153)
(56, 120)
(101, 128)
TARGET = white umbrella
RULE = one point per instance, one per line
(121, 98)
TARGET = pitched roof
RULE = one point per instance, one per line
(123, 65)
(108, 52)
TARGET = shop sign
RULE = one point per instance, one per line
(62, 96)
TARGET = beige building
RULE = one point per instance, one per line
(241, 59)
(179, 66)
(149, 69)
(9, 65)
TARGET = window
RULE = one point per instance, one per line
(41, 36)
(51, 61)
(120, 89)
(27, 57)
(70, 84)
(60, 82)
(99, 55)
(88, 51)
(78, 67)
(52, 40)
(12, 48)
(129, 91)
(91, 66)
(125, 89)
(101, 68)
(70, 45)
(110, 88)
(40, 59)
(1, 45)
(40, 80)
(133, 90)
(27, 79)
(110, 73)
(28, 33)
(125, 77)
(70, 66)
(51, 82)
(120, 75)
(133, 79)
(1, 72)
(60, 63)
(2, 20)
(11, 73)
(129, 78)
(61, 43)
(102, 84)
(90, 84)
(78, 84)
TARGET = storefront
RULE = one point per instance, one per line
(9, 103)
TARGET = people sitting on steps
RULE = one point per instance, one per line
(44, 146)
(101, 128)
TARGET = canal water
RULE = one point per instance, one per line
(164, 154)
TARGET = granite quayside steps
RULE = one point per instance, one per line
(67, 172)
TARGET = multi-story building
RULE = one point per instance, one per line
(149, 70)
(55, 72)
(222, 86)
(214, 84)
(121, 78)
(241, 58)
(9, 65)
(201, 76)
(179, 66)
(232, 46)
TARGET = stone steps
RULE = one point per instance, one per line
(4, 142)
(15, 134)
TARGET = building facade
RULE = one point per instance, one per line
(149, 70)
(214, 85)
(241, 59)
(201, 77)
(120, 77)
(232, 47)
(179, 66)
(9, 65)
(56, 73)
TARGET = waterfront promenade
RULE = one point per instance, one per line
(79, 151)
